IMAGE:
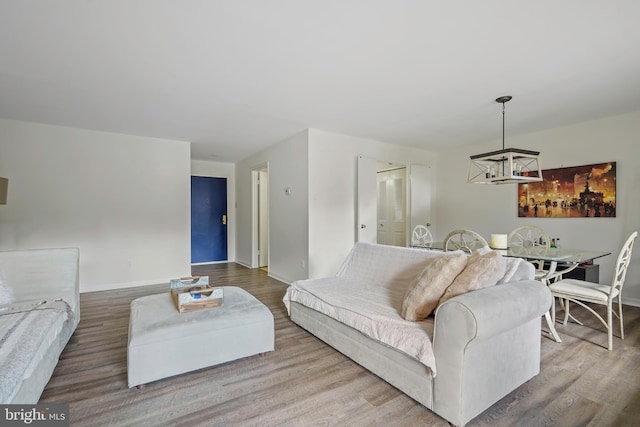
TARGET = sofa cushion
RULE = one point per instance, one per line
(517, 269)
(484, 268)
(423, 294)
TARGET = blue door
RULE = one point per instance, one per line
(208, 219)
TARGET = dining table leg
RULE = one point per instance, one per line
(552, 329)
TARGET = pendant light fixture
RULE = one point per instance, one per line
(506, 166)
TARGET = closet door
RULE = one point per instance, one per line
(392, 224)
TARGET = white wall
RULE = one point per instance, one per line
(222, 170)
(311, 231)
(493, 209)
(288, 215)
(123, 200)
(332, 192)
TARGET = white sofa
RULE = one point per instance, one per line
(37, 325)
(486, 343)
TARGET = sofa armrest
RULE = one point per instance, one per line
(490, 311)
(43, 274)
(486, 344)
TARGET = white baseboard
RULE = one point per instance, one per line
(242, 263)
(635, 302)
(112, 286)
(210, 262)
(282, 279)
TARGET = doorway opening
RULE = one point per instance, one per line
(260, 217)
(392, 204)
(392, 198)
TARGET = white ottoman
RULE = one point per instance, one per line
(164, 342)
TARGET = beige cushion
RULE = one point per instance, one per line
(422, 296)
(511, 267)
(579, 289)
(483, 269)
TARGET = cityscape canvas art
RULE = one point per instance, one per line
(571, 192)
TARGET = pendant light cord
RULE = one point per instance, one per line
(503, 158)
(503, 125)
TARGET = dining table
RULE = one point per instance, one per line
(562, 256)
(572, 258)
(556, 261)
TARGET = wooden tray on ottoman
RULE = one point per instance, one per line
(194, 297)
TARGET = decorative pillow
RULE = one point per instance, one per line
(423, 294)
(6, 293)
(512, 265)
(482, 271)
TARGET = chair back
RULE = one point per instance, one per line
(421, 236)
(624, 258)
(464, 240)
(528, 237)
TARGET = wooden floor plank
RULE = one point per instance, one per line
(306, 382)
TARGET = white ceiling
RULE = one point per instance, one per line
(236, 76)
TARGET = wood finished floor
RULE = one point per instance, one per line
(306, 382)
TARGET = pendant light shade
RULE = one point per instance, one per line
(506, 166)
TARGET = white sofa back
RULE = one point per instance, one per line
(43, 274)
(382, 264)
(373, 263)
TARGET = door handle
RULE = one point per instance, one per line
(224, 219)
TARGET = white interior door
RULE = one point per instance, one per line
(367, 218)
(392, 190)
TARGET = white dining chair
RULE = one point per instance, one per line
(531, 240)
(528, 238)
(464, 240)
(582, 292)
(421, 237)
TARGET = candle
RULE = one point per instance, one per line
(499, 241)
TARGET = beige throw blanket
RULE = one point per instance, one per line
(367, 295)
(377, 315)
